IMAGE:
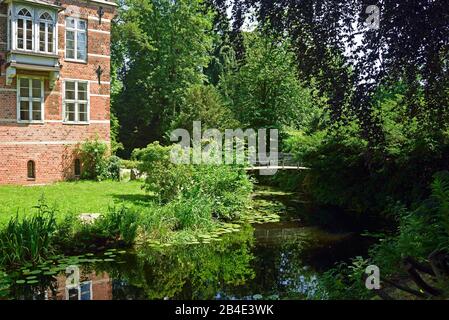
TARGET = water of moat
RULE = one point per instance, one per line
(277, 260)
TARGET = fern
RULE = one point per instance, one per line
(440, 193)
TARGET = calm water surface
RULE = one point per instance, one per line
(281, 260)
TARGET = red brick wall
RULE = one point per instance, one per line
(51, 144)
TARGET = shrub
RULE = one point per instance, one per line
(96, 163)
(28, 239)
(129, 164)
(113, 165)
(118, 223)
(420, 231)
(344, 282)
(226, 187)
(93, 157)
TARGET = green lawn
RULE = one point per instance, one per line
(79, 197)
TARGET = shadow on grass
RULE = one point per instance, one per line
(135, 199)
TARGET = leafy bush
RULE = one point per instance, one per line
(420, 231)
(113, 165)
(129, 164)
(118, 223)
(93, 158)
(95, 161)
(226, 188)
(28, 239)
(344, 282)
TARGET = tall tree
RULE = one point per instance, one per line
(263, 90)
(351, 61)
(163, 46)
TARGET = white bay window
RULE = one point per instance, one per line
(32, 29)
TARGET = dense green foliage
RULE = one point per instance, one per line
(264, 90)
(96, 163)
(420, 231)
(165, 45)
(35, 237)
(205, 103)
(218, 191)
(28, 239)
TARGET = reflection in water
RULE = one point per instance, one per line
(250, 264)
(270, 261)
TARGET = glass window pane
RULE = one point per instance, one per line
(24, 110)
(29, 34)
(82, 91)
(82, 108)
(20, 42)
(70, 23)
(81, 24)
(70, 37)
(70, 112)
(70, 90)
(50, 38)
(81, 45)
(70, 54)
(24, 88)
(37, 116)
(37, 92)
(70, 44)
(42, 37)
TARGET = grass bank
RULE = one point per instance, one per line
(75, 197)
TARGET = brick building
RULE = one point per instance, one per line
(54, 85)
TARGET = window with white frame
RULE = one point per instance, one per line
(32, 29)
(46, 30)
(76, 102)
(30, 100)
(25, 30)
(76, 39)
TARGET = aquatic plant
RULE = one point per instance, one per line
(28, 239)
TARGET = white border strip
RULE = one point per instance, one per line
(100, 95)
(99, 55)
(96, 82)
(98, 19)
(7, 90)
(99, 31)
